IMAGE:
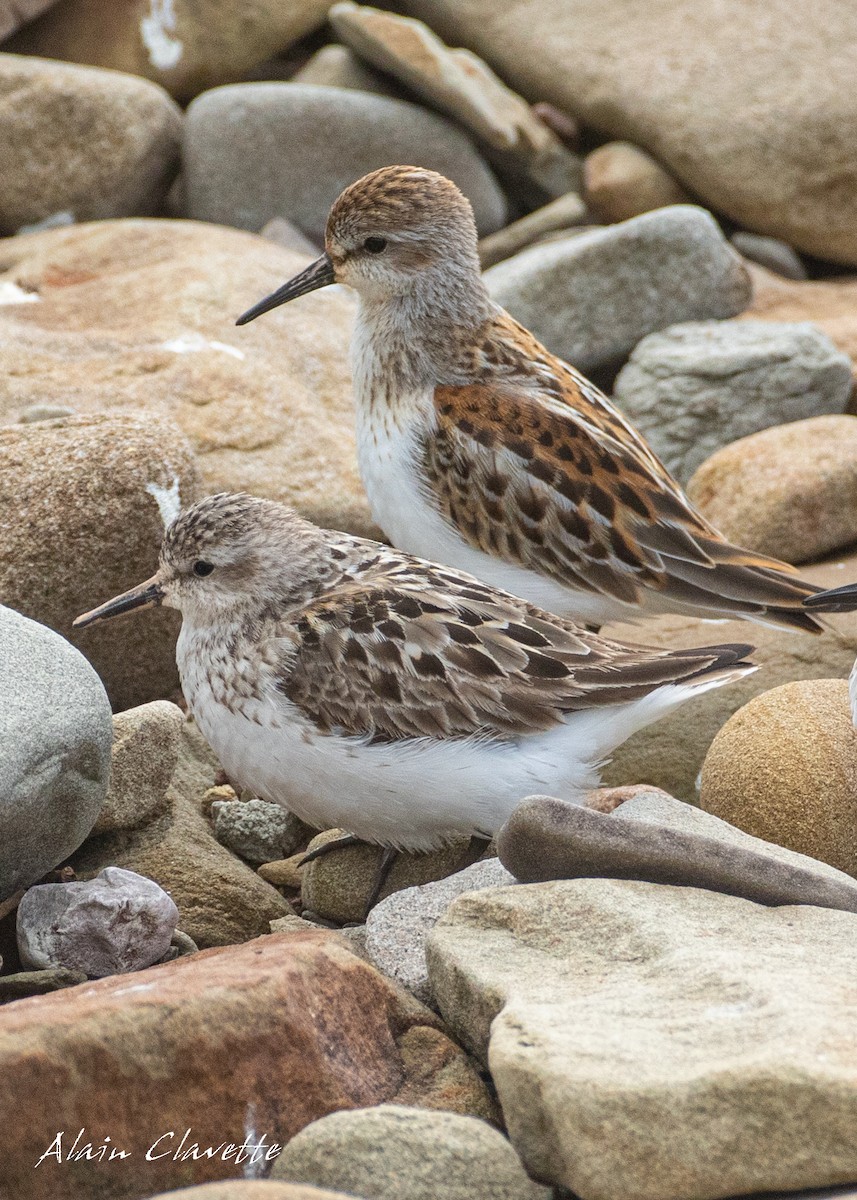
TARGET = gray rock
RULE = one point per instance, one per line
(287, 235)
(55, 736)
(592, 297)
(397, 929)
(547, 838)
(260, 150)
(396, 1153)
(713, 1035)
(770, 252)
(115, 923)
(696, 387)
(256, 830)
(145, 752)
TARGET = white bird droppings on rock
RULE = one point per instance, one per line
(193, 343)
(165, 52)
(168, 500)
(11, 293)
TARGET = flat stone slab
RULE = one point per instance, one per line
(657, 1042)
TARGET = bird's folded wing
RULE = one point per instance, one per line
(550, 476)
(443, 655)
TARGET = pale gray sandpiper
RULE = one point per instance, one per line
(393, 698)
(480, 449)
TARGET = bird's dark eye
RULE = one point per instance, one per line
(202, 568)
(375, 244)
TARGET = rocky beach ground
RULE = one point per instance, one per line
(648, 998)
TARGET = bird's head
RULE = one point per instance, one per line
(388, 234)
(231, 555)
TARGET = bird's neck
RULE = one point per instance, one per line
(408, 344)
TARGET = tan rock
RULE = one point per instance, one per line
(831, 304)
(681, 80)
(186, 47)
(141, 314)
(669, 754)
(789, 491)
(621, 180)
(284, 872)
(438, 1076)
(220, 899)
(608, 799)
(784, 768)
(243, 1042)
(146, 742)
(75, 140)
(338, 66)
(559, 215)
(252, 1189)
(338, 884)
(462, 86)
(82, 522)
(712, 1035)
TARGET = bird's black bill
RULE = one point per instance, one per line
(143, 596)
(317, 275)
(841, 599)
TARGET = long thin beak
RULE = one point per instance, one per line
(143, 596)
(317, 275)
(841, 599)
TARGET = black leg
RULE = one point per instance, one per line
(347, 839)
(388, 857)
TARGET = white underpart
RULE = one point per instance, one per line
(852, 693)
(386, 454)
(165, 51)
(194, 343)
(415, 793)
(167, 500)
(10, 293)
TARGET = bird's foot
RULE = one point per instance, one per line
(347, 839)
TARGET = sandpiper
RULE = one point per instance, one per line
(378, 693)
(480, 449)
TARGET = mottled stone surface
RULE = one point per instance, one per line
(151, 305)
(392, 1152)
(745, 109)
(638, 277)
(90, 143)
(398, 927)
(146, 743)
(715, 1035)
(110, 925)
(790, 491)
(304, 1027)
(186, 47)
(75, 537)
(784, 768)
(693, 388)
(621, 181)
(256, 830)
(55, 739)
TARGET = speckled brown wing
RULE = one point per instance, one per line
(437, 654)
(537, 467)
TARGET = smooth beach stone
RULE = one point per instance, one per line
(693, 388)
(55, 737)
(254, 1189)
(21, 984)
(547, 838)
(254, 151)
(256, 830)
(338, 66)
(146, 743)
(393, 1152)
(713, 1035)
(769, 252)
(621, 181)
(560, 214)
(789, 491)
(115, 923)
(17, 12)
(82, 141)
(637, 277)
(398, 927)
(784, 768)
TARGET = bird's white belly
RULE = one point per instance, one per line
(414, 794)
(390, 473)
